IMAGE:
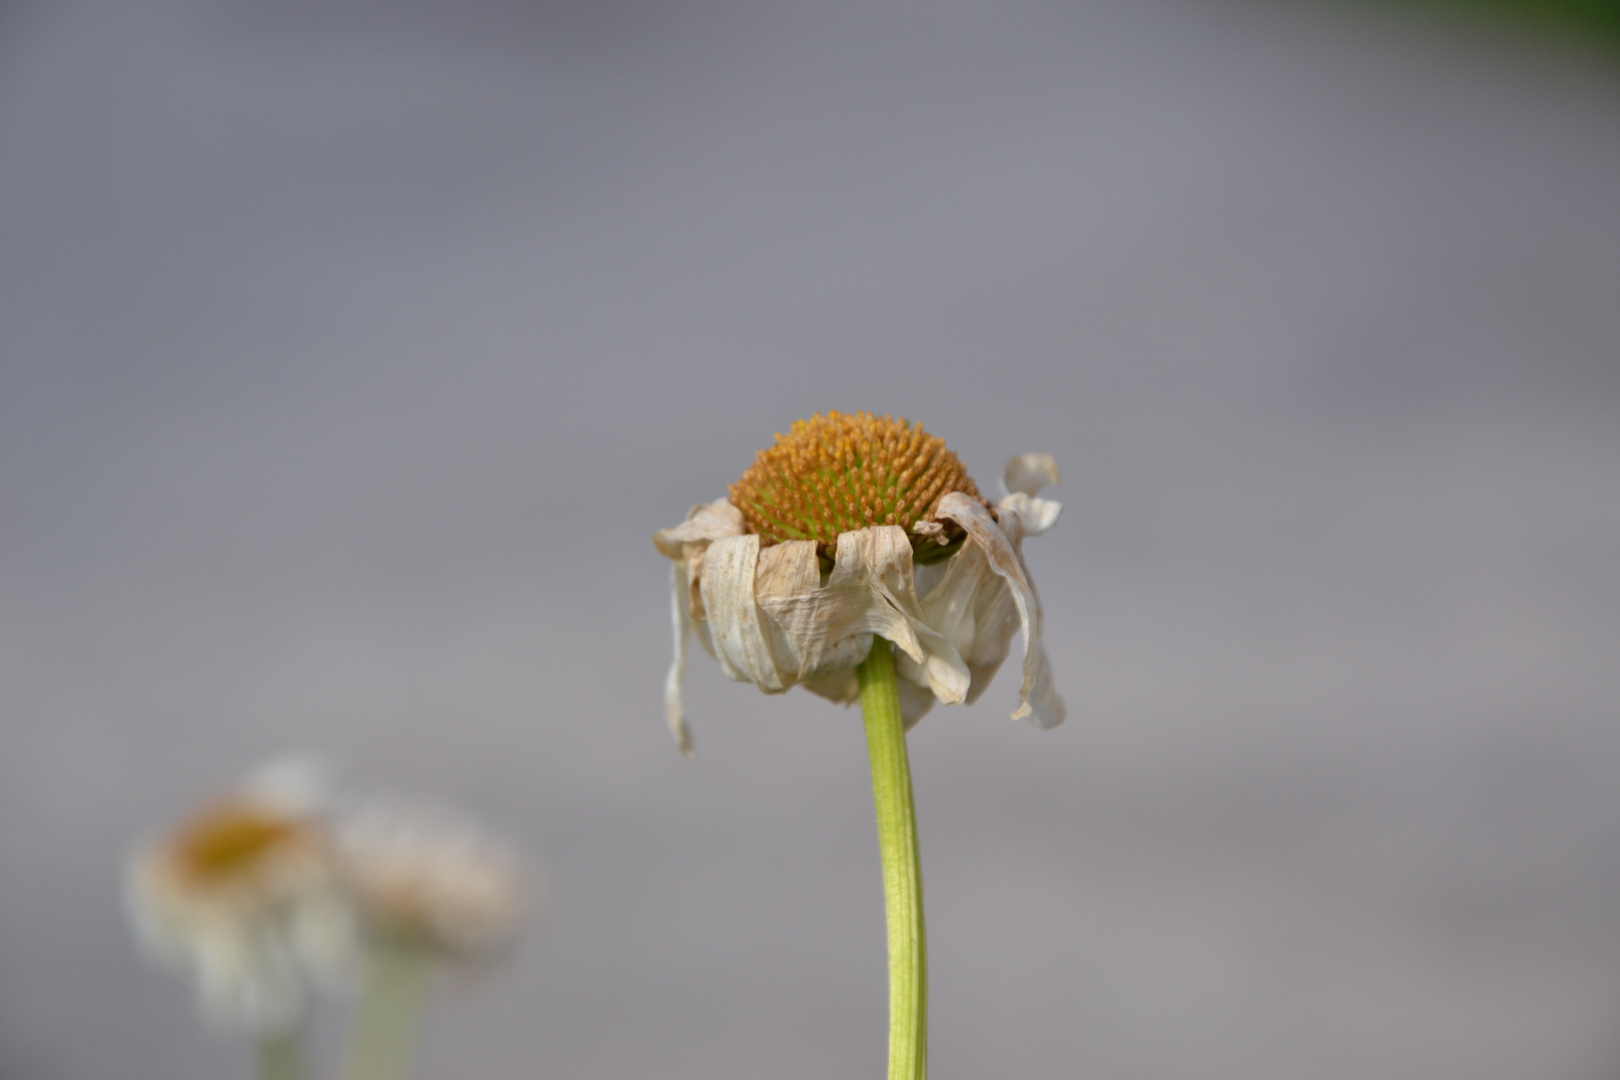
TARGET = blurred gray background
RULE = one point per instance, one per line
(352, 351)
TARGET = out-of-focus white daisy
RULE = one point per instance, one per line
(430, 887)
(424, 876)
(852, 526)
(242, 896)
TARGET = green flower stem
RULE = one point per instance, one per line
(382, 1044)
(902, 869)
(281, 1056)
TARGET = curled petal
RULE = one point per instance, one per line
(1036, 515)
(1028, 473)
(871, 591)
(681, 617)
(878, 560)
(973, 607)
(789, 569)
(703, 524)
(736, 630)
(1039, 702)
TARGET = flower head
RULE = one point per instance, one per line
(242, 896)
(855, 525)
(428, 878)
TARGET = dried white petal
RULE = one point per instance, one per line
(735, 629)
(734, 624)
(1028, 473)
(1036, 515)
(1039, 702)
(686, 544)
(681, 616)
(703, 523)
(872, 590)
(838, 686)
(844, 688)
(915, 701)
(972, 607)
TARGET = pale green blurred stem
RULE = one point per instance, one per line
(281, 1056)
(902, 868)
(383, 1041)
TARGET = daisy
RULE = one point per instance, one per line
(430, 878)
(242, 897)
(856, 558)
(855, 526)
(430, 888)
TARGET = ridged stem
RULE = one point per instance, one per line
(902, 868)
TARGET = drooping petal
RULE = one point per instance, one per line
(736, 630)
(680, 613)
(792, 568)
(843, 687)
(840, 687)
(1039, 701)
(973, 608)
(685, 545)
(878, 560)
(688, 541)
(871, 591)
(1028, 473)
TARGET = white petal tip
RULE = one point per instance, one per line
(682, 736)
(1035, 515)
(1051, 713)
(1029, 473)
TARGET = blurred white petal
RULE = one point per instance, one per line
(428, 876)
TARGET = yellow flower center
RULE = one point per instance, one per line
(838, 473)
(230, 837)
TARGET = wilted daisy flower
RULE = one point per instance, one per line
(857, 558)
(852, 526)
(242, 896)
(425, 877)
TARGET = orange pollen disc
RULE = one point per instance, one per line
(840, 472)
(231, 836)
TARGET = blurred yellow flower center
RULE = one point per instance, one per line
(231, 836)
(838, 473)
